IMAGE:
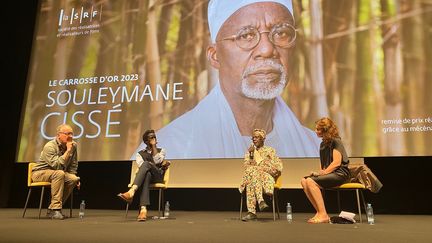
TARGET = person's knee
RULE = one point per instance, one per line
(145, 164)
(309, 182)
(75, 179)
(255, 180)
(59, 174)
(303, 182)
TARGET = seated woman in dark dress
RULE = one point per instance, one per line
(334, 168)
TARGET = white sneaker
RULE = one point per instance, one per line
(57, 215)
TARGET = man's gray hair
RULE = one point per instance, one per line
(59, 128)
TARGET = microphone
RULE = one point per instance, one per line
(251, 153)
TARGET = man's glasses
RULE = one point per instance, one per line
(281, 35)
(67, 133)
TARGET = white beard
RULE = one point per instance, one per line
(263, 90)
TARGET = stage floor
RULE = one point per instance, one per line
(193, 226)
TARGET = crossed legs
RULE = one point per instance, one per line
(313, 193)
(146, 174)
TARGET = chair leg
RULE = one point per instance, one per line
(364, 201)
(160, 202)
(127, 210)
(163, 202)
(40, 201)
(25, 206)
(358, 205)
(71, 205)
(273, 202)
(338, 200)
(241, 205)
(277, 202)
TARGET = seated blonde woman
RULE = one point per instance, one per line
(333, 172)
(262, 167)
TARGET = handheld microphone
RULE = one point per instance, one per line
(251, 153)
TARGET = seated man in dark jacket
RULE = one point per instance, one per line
(150, 161)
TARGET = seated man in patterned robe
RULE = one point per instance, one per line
(262, 167)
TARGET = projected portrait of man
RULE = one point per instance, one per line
(251, 47)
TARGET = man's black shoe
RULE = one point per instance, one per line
(263, 206)
(249, 216)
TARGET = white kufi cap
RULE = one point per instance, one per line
(220, 10)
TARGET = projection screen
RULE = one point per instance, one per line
(113, 69)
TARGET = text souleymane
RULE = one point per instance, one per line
(121, 94)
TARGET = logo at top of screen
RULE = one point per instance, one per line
(82, 15)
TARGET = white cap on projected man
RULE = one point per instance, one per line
(252, 74)
(219, 11)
